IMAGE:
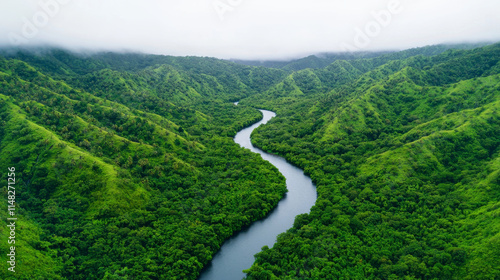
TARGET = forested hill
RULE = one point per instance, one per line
(126, 168)
(125, 163)
(406, 160)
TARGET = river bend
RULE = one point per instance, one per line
(237, 253)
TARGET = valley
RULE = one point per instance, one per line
(126, 167)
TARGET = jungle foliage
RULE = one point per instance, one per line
(126, 167)
(406, 158)
(125, 164)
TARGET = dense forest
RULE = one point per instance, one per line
(405, 154)
(125, 164)
(126, 169)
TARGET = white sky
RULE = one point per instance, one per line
(246, 29)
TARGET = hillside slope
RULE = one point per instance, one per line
(119, 179)
(406, 162)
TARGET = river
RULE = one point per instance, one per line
(237, 253)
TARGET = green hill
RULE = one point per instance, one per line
(116, 176)
(125, 165)
(405, 158)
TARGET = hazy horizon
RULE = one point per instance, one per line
(245, 30)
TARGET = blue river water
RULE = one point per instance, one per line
(237, 253)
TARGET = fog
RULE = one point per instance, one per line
(246, 29)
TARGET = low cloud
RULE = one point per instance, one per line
(245, 29)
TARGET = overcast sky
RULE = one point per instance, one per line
(247, 29)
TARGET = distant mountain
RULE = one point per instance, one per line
(312, 61)
(322, 60)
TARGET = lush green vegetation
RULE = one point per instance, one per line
(127, 172)
(405, 155)
(126, 167)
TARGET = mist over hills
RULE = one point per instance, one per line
(322, 60)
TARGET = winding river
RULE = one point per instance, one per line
(237, 253)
